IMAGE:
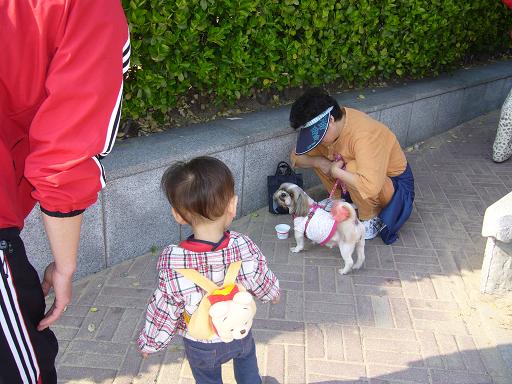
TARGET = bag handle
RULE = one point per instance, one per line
(287, 169)
(205, 283)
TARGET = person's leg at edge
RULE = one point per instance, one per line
(27, 354)
(502, 146)
(369, 208)
(202, 360)
(246, 364)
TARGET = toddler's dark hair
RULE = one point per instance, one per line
(199, 189)
(312, 103)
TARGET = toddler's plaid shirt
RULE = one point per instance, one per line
(176, 294)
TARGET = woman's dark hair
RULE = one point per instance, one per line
(199, 189)
(312, 103)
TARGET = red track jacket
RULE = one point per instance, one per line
(61, 81)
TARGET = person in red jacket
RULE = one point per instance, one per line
(61, 79)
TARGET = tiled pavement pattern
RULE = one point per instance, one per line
(409, 316)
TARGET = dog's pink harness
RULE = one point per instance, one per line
(318, 226)
(320, 223)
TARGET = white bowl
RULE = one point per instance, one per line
(282, 231)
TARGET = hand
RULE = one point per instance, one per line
(144, 354)
(277, 299)
(62, 285)
(324, 165)
(335, 167)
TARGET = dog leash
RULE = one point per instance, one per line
(339, 184)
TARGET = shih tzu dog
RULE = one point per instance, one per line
(339, 227)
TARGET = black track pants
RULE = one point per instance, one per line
(27, 355)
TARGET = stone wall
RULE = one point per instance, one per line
(132, 215)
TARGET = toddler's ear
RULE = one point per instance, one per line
(232, 205)
(178, 217)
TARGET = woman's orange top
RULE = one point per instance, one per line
(372, 145)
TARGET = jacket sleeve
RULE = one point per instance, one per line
(162, 317)
(264, 285)
(77, 122)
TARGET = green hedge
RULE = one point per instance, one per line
(226, 49)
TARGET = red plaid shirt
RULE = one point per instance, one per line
(176, 294)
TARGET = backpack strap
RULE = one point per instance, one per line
(232, 272)
(205, 283)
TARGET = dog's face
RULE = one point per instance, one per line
(291, 196)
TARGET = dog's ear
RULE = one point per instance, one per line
(301, 204)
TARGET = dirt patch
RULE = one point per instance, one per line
(498, 309)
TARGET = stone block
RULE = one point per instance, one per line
(161, 149)
(506, 87)
(259, 126)
(449, 110)
(423, 120)
(496, 276)
(427, 88)
(472, 105)
(309, 177)
(398, 119)
(498, 220)
(91, 251)
(492, 97)
(261, 160)
(150, 221)
(371, 100)
(137, 216)
(375, 115)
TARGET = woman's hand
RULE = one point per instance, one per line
(323, 164)
(335, 167)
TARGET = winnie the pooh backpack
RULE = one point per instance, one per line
(226, 311)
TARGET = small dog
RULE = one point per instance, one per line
(339, 227)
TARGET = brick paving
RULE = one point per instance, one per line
(410, 315)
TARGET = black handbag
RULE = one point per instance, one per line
(284, 174)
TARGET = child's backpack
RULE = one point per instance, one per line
(226, 311)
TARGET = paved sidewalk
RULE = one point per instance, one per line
(412, 314)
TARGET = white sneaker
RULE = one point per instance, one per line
(372, 227)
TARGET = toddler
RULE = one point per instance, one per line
(201, 193)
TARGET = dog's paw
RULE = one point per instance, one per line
(357, 266)
(296, 249)
(343, 271)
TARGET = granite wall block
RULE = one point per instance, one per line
(398, 119)
(449, 111)
(137, 216)
(423, 120)
(261, 160)
(472, 105)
